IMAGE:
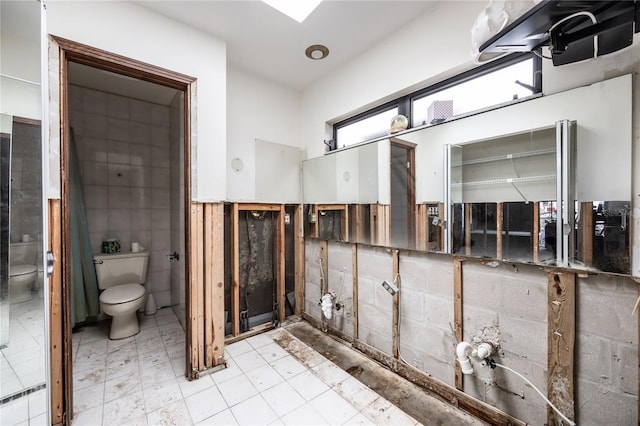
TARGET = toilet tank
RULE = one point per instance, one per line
(121, 268)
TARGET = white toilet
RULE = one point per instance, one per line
(22, 278)
(23, 271)
(121, 276)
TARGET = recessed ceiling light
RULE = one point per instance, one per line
(317, 52)
(295, 9)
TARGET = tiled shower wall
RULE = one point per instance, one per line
(123, 148)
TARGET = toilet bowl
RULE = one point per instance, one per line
(121, 276)
(21, 280)
(122, 302)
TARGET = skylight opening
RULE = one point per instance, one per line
(294, 9)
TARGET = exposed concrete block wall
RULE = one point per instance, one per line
(341, 284)
(312, 278)
(426, 314)
(375, 305)
(507, 302)
(512, 301)
(606, 351)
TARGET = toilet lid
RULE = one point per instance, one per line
(122, 294)
(15, 270)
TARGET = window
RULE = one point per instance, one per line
(482, 87)
(365, 129)
(484, 91)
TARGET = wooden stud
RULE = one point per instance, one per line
(209, 326)
(422, 227)
(324, 266)
(395, 331)
(586, 211)
(316, 225)
(354, 268)
(359, 234)
(442, 228)
(195, 323)
(259, 207)
(536, 232)
(560, 344)
(346, 234)
(499, 231)
(235, 270)
(380, 224)
(56, 314)
(457, 314)
(300, 280)
(280, 281)
(467, 229)
(214, 284)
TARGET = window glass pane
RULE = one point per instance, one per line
(363, 130)
(490, 89)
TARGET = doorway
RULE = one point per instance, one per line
(403, 198)
(125, 131)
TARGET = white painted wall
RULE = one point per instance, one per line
(261, 110)
(434, 46)
(133, 31)
(20, 58)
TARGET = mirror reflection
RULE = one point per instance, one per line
(22, 312)
(503, 195)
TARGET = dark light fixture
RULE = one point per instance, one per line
(317, 52)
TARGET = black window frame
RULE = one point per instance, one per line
(404, 103)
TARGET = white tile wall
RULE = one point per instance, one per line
(123, 147)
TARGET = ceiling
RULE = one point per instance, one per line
(265, 42)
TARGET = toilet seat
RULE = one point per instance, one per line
(122, 294)
(17, 270)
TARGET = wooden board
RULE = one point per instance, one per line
(560, 344)
(280, 255)
(422, 227)
(300, 280)
(56, 318)
(536, 232)
(214, 284)
(209, 326)
(195, 308)
(235, 272)
(457, 314)
(359, 232)
(499, 231)
(259, 207)
(380, 224)
(467, 229)
(395, 331)
(354, 267)
(586, 219)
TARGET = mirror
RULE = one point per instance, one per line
(512, 184)
(23, 338)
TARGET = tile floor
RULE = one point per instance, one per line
(140, 381)
(22, 366)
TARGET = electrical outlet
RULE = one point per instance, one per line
(287, 218)
(390, 287)
(312, 218)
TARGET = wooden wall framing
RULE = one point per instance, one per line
(205, 289)
(61, 394)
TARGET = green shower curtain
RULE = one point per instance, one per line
(84, 285)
